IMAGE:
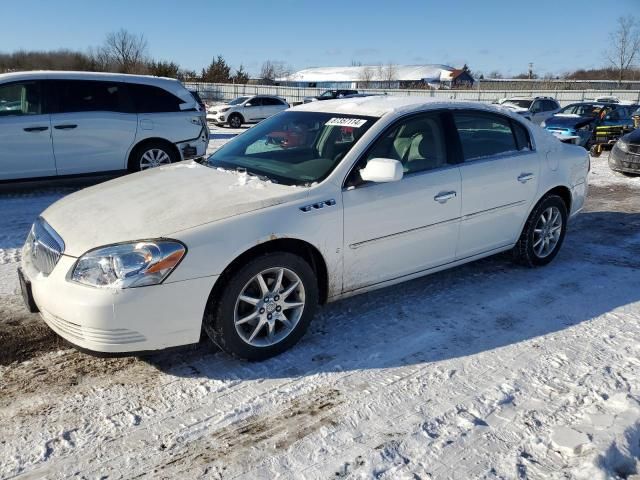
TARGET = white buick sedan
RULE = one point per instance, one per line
(323, 201)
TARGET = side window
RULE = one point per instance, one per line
(268, 101)
(418, 143)
(21, 99)
(91, 96)
(484, 134)
(536, 107)
(551, 105)
(522, 136)
(254, 102)
(150, 99)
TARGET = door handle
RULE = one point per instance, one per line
(65, 127)
(444, 196)
(36, 129)
(525, 177)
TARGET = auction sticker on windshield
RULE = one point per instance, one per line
(347, 122)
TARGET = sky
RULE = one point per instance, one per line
(557, 36)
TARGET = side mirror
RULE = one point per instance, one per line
(248, 105)
(382, 170)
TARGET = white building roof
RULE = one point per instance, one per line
(354, 74)
(377, 106)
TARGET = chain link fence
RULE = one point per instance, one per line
(212, 92)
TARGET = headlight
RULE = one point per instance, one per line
(543, 124)
(128, 265)
(622, 145)
(225, 109)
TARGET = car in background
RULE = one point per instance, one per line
(246, 109)
(625, 155)
(536, 109)
(330, 95)
(248, 244)
(579, 120)
(78, 123)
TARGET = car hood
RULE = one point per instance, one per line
(515, 108)
(568, 121)
(159, 203)
(633, 137)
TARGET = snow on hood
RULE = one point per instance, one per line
(514, 107)
(158, 203)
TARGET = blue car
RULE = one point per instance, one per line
(578, 121)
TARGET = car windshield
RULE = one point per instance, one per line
(293, 148)
(583, 109)
(238, 101)
(520, 103)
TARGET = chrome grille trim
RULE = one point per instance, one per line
(44, 246)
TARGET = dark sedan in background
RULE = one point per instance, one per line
(625, 155)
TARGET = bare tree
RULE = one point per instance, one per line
(390, 74)
(625, 45)
(123, 51)
(366, 76)
(272, 70)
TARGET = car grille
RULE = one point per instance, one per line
(634, 149)
(44, 247)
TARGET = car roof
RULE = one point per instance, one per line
(377, 106)
(70, 75)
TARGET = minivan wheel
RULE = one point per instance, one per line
(235, 120)
(543, 233)
(265, 308)
(151, 155)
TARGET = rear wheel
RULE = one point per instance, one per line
(235, 120)
(151, 155)
(265, 307)
(543, 233)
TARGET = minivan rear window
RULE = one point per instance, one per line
(150, 99)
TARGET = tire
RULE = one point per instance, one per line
(151, 155)
(242, 328)
(528, 250)
(235, 120)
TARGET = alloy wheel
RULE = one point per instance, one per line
(154, 157)
(547, 231)
(269, 307)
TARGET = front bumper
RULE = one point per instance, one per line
(116, 321)
(624, 162)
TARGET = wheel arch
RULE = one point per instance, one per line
(151, 141)
(290, 245)
(563, 192)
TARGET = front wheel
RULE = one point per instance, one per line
(235, 120)
(543, 233)
(265, 307)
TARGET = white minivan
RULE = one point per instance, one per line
(77, 123)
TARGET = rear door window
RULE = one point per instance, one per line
(22, 98)
(484, 135)
(90, 96)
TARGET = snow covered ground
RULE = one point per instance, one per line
(485, 371)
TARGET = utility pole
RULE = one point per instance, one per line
(530, 70)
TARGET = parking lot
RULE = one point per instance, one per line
(488, 370)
